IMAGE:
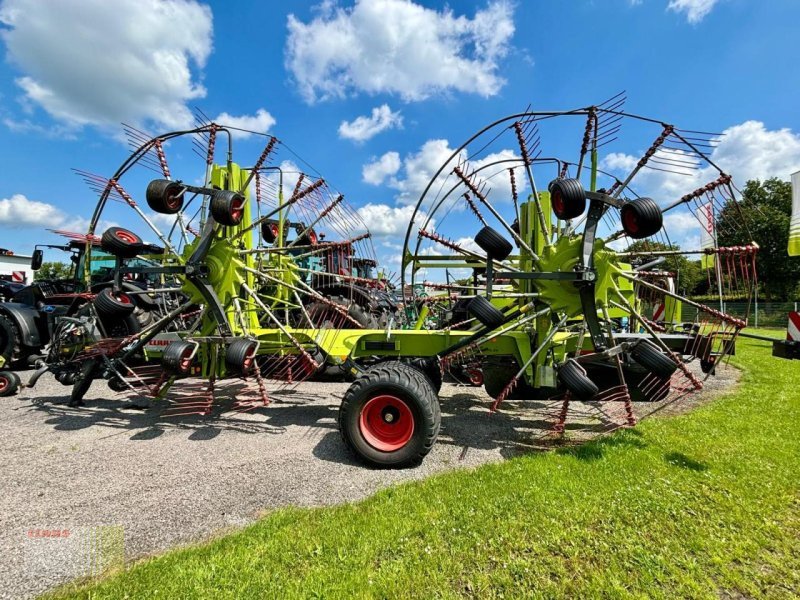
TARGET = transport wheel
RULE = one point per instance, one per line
(9, 383)
(177, 358)
(389, 416)
(574, 378)
(430, 368)
(485, 312)
(650, 356)
(227, 207)
(567, 198)
(641, 218)
(165, 196)
(493, 243)
(83, 382)
(240, 357)
(110, 304)
(121, 242)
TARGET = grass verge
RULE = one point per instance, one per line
(705, 504)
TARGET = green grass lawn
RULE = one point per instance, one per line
(706, 504)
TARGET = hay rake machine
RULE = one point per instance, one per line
(563, 316)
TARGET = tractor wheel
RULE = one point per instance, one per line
(430, 368)
(83, 382)
(227, 207)
(650, 356)
(641, 218)
(11, 347)
(177, 358)
(390, 416)
(121, 242)
(567, 198)
(240, 357)
(165, 196)
(574, 378)
(109, 304)
(9, 383)
(485, 312)
(269, 232)
(493, 243)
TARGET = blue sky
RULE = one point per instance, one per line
(414, 73)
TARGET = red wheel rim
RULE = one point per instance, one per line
(236, 209)
(312, 237)
(174, 201)
(4, 383)
(126, 237)
(274, 229)
(386, 423)
(557, 201)
(475, 377)
(186, 360)
(124, 298)
(629, 221)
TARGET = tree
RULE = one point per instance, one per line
(688, 274)
(53, 270)
(762, 215)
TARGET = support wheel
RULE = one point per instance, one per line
(430, 368)
(575, 379)
(227, 207)
(269, 232)
(109, 304)
(485, 312)
(83, 382)
(650, 356)
(121, 242)
(641, 218)
(177, 358)
(567, 198)
(165, 196)
(390, 416)
(241, 357)
(493, 243)
(9, 383)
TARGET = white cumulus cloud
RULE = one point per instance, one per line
(695, 10)
(363, 128)
(383, 220)
(398, 47)
(377, 171)
(261, 122)
(20, 212)
(94, 62)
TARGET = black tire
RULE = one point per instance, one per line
(165, 196)
(121, 242)
(11, 347)
(269, 232)
(309, 239)
(650, 356)
(574, 378)
(240, 357)
(176, 358)
(641, 218)
(708, 365)
(227, 207)
(485, 312)
(429, 367)
(395, 390)
(109, 304)
(493, 243)
(497, 373)
(9, 383)
(567, 198)
(83, 382)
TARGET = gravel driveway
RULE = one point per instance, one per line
(86, 488)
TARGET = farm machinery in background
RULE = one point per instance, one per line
(553, 309)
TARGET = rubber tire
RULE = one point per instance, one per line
(650, 356)
(236, 355)
(641, 218)
(9, 383)
(429, 367)
(574, 378)
(83, 382)
(484, 311)
(496, 376)
(120, 242)
(708, 366)
(268, 234)
(567, 198)
(107, 305)
(493, 243)
(11, 347)
(411, 386)
(227, 207)
(164, 196)
(172, 360)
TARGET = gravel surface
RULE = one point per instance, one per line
(87, 488)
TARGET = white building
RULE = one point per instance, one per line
(16, 267)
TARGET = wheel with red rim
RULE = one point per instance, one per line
(9, 383)
(121, 242)
(165, 196)
(112, 304)
(390, 416)
(475, 376)
(240, 357)
(269, 232)
(177, 358)
(227, 207)
(641, 218)
(567, 198)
